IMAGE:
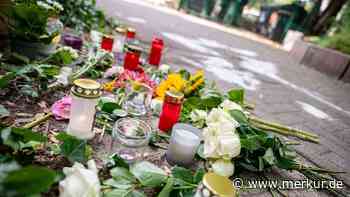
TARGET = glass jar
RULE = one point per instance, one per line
(130, 35)
(156, 52)
(85, 94)
(119, 40)
(107, 43)
(138, 99)
(171, 110)
(130, 136)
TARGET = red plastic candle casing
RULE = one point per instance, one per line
(131, 60)
(156, 52)
(171, 110)
(107, 43)
(132, 57)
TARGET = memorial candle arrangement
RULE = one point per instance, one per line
(184, 142)
(85, 94)
(156, 52)
(107, 43)
(171, 110)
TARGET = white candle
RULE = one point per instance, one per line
(183, 144)
(82, 116)
(85, 93)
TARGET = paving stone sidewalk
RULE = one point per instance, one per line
(282, 90)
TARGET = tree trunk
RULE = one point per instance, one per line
(325, 19)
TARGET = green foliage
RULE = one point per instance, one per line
(82, 15)
(148, 174)
(341, 39)
(74, 149)
(3, 112)
(167, 188)
(28, 22)
(28, 181)
(18, 138)
(261, 151)
(33, 77)
(236, 95)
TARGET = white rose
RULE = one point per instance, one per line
(80, 181)
(223, 167)
(229, 145)
(210, 135)
(198, 117)
(220, 116)
(228, 105)
(164, 68)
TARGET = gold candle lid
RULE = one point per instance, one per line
(219, 185)
(172, 96)
(132, 30)
(86, 88)
(134, 49)
(120, 30)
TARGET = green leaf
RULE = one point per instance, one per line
(269, 156)
(167, 188)
(29, 180)
(72, 148)
(29, 91)
(200, 151)
(17, 138)
(148, 174)
(116, 161)
(250, 142)
(119, 173)
(236, 95)
(239, 116)
(107, 105)
(3, 112)
(198, 176)
(182, 173)
(119, 183)
(5, 79)
(124, 193)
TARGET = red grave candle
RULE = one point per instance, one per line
(132, 58)
(171, 110)
(156, 51)
(107, 43)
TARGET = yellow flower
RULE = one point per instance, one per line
(109, 86)
(173, 82)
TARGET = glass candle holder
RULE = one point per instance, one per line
(73, 41)
(119, 40)
(171, 110)
(130, 35)
(132, 57)
(131, 135)
(138, 99)
(215, 185)
(184, 142)
(85, 94)
(156, 52)
(107, 43)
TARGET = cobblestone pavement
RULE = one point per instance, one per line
(282, 90)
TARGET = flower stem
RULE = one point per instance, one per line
(281, 127)
(287, 133)
(38, 121)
